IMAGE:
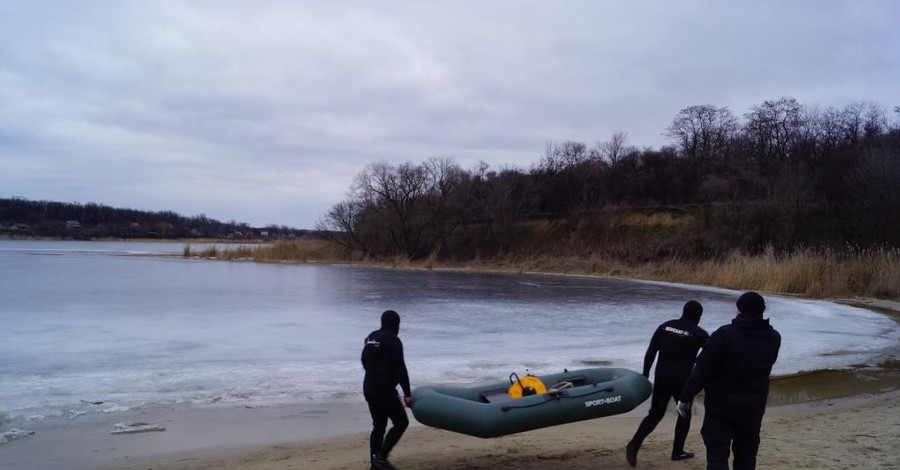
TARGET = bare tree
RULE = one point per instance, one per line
(613, 150)
(549, 163)
(560, 157)
(502, 197)
(876, 180)
(874, 122)
(703, 132)
(774, 128)
(875, 185)
(342, 225)
(393, 195)
(448, 196)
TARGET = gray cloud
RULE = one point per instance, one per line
(264, 111)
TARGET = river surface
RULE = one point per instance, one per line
(89, 327)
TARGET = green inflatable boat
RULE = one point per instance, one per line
(530, 402)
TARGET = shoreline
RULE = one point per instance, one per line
(335, 435)
(87, 442)
(852, 432)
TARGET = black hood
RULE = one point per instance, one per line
(751, 303)
(692, 311)
(752, 325)
(390, 321)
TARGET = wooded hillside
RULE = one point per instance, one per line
(781, 176)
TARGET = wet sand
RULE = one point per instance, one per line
(829, 419)
(837, 434)
(87, 442)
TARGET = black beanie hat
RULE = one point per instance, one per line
(692, 311)
(390, 320)
(751, 303)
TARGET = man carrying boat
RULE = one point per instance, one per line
(734, 370)
(382, 358)
(676, 342)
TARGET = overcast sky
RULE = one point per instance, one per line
(264, 111)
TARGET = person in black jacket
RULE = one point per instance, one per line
(734, 370)
(677, 343)
(382, 358)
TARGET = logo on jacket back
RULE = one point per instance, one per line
(373, 343)
(677, 331)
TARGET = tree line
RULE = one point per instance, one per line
(23, 217)
(780, 176)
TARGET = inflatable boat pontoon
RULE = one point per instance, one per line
(548, 400)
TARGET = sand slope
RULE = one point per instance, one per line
(844, 434)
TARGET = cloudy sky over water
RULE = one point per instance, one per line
(264, 111)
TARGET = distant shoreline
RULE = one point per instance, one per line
(141, 240)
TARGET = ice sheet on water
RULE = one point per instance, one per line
(161, 333)
(14, 434)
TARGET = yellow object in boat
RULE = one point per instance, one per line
(526, 386)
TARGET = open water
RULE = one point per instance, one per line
(89, 327)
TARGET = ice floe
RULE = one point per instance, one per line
(133, 428)
(14, 434)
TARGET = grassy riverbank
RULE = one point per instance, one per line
(816, 273)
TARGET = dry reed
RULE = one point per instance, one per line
(872, 272)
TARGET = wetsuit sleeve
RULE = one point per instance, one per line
(704, 338)
(400, 368)
(650, 355)
(362, 355)
(707, 364)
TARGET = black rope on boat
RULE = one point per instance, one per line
(606, 390)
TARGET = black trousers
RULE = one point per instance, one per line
(382, 408)
(740, 435)
(662, 393)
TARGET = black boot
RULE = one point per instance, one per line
(381, 463)
(683, 455)
(631, 453)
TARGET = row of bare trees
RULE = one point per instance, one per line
(49, 219)
(783, 175)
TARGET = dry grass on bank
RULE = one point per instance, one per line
(312, 250)
(818, 273)
(298, 251)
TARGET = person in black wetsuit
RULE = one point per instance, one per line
(382, 358)
(734, 370)
(677, 343)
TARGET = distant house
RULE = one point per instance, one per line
(20, 228)
(73, 224)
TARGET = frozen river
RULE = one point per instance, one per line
(104, 322)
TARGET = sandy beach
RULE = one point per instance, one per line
(853, 433)
(859, 431)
